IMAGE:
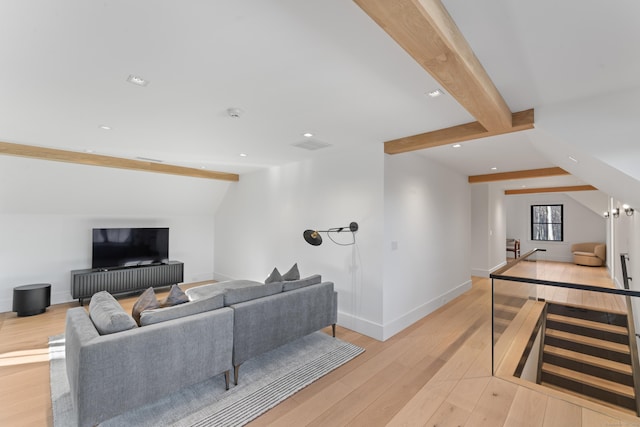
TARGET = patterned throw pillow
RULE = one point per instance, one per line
(146, 301)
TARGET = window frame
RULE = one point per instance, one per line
(561, 223)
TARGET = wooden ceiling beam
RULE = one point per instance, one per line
(110, 162)
(426, 31)
(524, 174)
(551, 189)
(522, 120)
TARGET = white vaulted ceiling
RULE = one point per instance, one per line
(292, 67)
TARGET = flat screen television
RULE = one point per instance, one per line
(129, 247)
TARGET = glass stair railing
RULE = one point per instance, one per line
(575, 339)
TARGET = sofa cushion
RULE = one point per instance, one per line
(297, 284)
(238, 295)
(292, 274)
(275, 276)
(107, 314)
(176, 296)
(218, 288)
(146, 301)
(584, 254)
(157, 315)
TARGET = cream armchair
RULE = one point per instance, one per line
(591, 254)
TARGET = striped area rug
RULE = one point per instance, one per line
(264, 382)
(265, 398)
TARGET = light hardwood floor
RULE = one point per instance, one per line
(437, 372)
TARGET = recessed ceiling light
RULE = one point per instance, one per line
(523, 186)
(573, 159)
(105, 127)
(307, 135)
(494, 168)
(202, 167)
(457, 145)
(435, 93)
(88, 151)
(243, 155)
(137, 80)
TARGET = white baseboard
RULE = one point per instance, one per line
(200, 277)
(360, 325)
(6, 305)
(481, 272)
(408, 319)
(222, 277)
(61, 297)
(618, 284)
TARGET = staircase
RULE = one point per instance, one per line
(586, 352)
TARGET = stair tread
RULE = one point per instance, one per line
(622, 368)
(553, 306)
(588, 323)
(501, 321)
(590, 398)
(600, 383)
(506, 308)
(595, 342)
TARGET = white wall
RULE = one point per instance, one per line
(259, 226)
(488, 229)
(580, 224)
(426, 242)
(479, 241)
(624, 241)
(626, 238)
(497, 227)
(47, 211)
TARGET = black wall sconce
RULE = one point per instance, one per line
(628, 210)
(615, 212)
(313, 237)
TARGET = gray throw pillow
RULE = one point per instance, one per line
(146, 301)
(292, 274)
(274, 277)
(107, 314)
(176, 296)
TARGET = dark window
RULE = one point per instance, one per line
(546, 223)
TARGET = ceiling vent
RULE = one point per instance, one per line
(234, 113)
(311, 144)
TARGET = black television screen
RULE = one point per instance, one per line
(128, 247)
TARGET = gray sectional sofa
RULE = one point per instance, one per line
(268, 316)
(114, 366)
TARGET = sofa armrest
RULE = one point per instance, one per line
(601, 251)
(79, 330)
(115, 373)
